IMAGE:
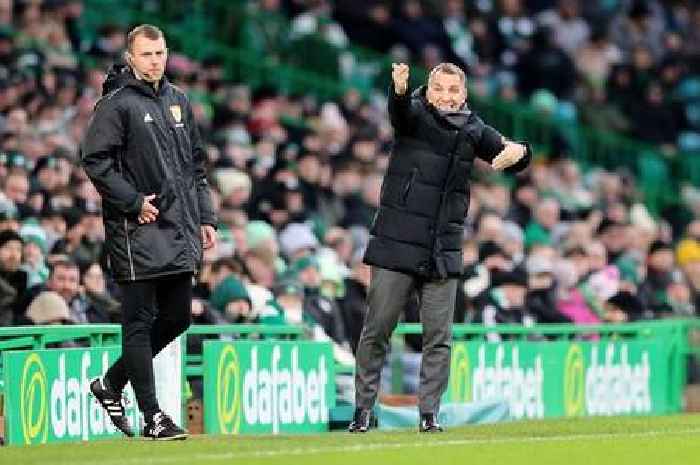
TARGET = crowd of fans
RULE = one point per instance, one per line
(295, 183)
(625, 65)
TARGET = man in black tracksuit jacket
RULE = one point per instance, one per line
(417, 233)
(143, 154)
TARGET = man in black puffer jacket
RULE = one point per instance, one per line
(143, 154)
(417, 233)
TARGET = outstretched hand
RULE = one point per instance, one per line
(511, 154)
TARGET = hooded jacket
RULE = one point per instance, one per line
(142, 141)
(419, 226)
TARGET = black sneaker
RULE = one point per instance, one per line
(162, 428)
(429, 423)
(112, 403)
(362, 421)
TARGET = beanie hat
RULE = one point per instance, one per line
(303, 263)
(490, 248)
(297, 236)
(257, 232)
(32, 232)
(289, 286)
(48, 307)
(228, 290)
(516, 277)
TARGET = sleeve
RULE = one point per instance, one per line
(199, 157)
(490, 144)
(399, 108)
(99, 154)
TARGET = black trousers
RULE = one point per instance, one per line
(154, 312)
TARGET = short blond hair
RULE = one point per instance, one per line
(147, 30)
(448, 68)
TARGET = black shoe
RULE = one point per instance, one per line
(162, 428)
(362, 421)
(429, 424)
(112, 403)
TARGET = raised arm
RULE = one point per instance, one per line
(399, 97)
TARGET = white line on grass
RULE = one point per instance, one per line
(363, 447)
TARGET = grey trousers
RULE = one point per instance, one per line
(388, 295)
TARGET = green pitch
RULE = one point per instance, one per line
(628, 440)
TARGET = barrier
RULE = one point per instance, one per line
(267, 387)
(46, 395)
(570, 370)
(541, 371)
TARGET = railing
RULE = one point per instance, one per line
(680, 337)
(42, 337)
(193, 362)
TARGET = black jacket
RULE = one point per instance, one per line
(141, 141)
(419, 226)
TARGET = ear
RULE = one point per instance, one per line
(128, 58)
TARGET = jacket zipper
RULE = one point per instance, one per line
(128, 250)
(409, 185)
(437, 247)
(183, 207)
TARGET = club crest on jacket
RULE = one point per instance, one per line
(176, 112)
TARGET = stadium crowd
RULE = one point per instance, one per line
(296, 182)
(626, 65)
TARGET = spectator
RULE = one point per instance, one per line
(545, 66)
(416, 29)
(539, 230)
(264, 29)
(569, 28)
(542, 300)
(353, 303)
(34, 253)
(232, 300)
(639, 26)
(653, 291)
(506, 302)
(96, 294)
(13, 280)
(64, 279)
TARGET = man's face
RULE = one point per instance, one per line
(148, 58)
(65, 281)
(310, 277)
(11, 256)
(661, 260)
(515, 294)
(446, 92)
(17, 188)
(547, 213)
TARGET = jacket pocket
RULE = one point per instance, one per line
(408, 186)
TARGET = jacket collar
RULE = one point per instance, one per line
(121, 75)
(455, 118)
